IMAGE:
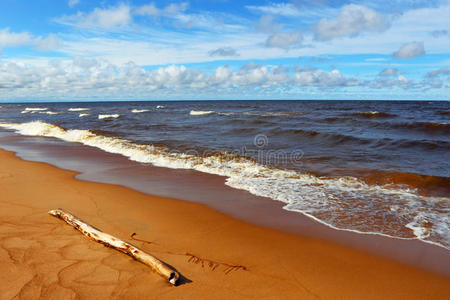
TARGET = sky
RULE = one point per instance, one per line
(224, 49)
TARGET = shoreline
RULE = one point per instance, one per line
(95, 165)
(42, 256)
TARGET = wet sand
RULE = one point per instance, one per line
(42, 256)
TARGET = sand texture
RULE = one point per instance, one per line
(219, 257)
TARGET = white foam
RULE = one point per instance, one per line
(83, 115)
(49, 113)
(137, 111)
(113, 116)
(78, 109)
(160, 106)
(33, 110)
(201, 112)
(340, 202)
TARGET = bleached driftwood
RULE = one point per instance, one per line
(110, 241)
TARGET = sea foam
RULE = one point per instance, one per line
(137, 111)
(343, 203)
(201, 112)
(33, 110)
(113, 116)
(78, 109)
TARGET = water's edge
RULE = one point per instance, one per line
(201, 188)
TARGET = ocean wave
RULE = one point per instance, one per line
(160, 106)
(113, 116)
(344, 202)
(33, 110)
(374, 114)
(261, 114)
(78, 109)
(201, 112)
(83, 115)
(49, 113)
(430, 127)
(137, 111)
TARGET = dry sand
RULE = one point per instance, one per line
(41, 256)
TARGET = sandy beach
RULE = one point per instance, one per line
(43, 257)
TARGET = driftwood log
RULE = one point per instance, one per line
(110, 241)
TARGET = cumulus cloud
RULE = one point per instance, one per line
(12, 39)
(224, 51)
(320, 78)
(388, 72)
(284, 40)
(410, 50)
(96, 77)
(72, 3)
(389, 82)
(169, 10)
(351, 21)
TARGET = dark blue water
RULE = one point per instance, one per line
(370, 166)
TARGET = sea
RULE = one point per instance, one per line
(370, 167)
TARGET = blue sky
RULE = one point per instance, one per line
(223, 49)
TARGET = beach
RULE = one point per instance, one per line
(41, 256)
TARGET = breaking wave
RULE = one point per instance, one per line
(345, 202)
(33, 110)
(201, 112)
(137, 111)
(113, 116)
(374, 114)
(78, 109)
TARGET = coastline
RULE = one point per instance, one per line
(95, 165)
(42, 256)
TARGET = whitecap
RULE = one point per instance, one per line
(78, 109)
(113, 116)
(201, 112)
(137, 111)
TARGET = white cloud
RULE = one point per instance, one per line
(12, 39)
(351, 21)
(96, 77)
(281, 9)
(284, 40)
(266, 24)
(114, 16)
(224, 51)
(72, 3)
(170, 10)
(51, 42)
(320, 78)
(410, 50)
(389, 72)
